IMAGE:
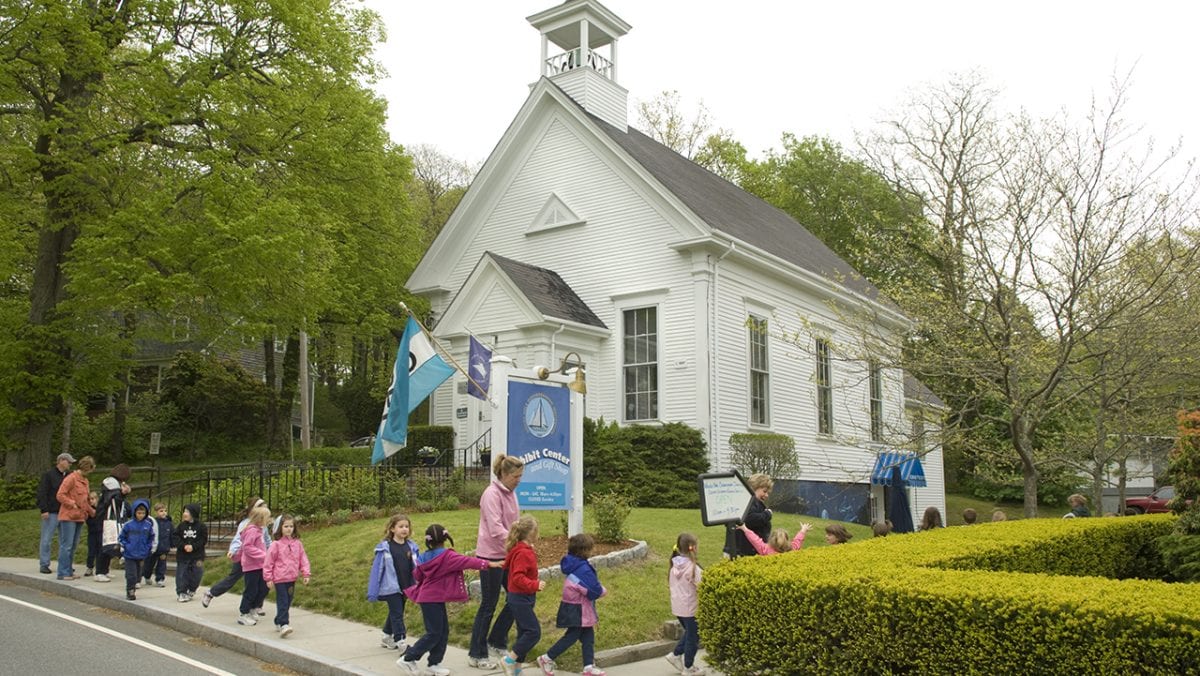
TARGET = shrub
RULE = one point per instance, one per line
(655, 466)
(921, 603)
(611, 509)
(773, 454)
(18, 492)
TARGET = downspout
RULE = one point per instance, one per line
(561, 328)
(714, 389)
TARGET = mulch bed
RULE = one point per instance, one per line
(551, 548)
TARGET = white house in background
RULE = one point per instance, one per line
(684, 297)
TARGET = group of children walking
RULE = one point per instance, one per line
(434, 577)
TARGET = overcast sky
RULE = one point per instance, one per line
(459, 71)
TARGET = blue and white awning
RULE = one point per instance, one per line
(911, 472)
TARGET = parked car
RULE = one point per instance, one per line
(1155, 503)
(363, 442)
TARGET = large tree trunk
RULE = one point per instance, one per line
(1023, 443)
(120, 416)
(291, 375)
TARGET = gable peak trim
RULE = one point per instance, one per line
(553, 215)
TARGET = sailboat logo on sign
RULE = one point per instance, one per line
(539, 416)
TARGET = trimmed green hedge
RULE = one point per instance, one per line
(1030, 596)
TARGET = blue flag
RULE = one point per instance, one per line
(479, 370)
(417, 373)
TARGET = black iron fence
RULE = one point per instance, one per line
(223, 491)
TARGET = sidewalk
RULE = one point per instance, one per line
(320, 645)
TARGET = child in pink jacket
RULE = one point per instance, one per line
(285, 562)
(253, 556)
(778, 541)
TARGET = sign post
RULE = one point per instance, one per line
(540, 421)
(724, 498)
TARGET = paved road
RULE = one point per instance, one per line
(48, 634)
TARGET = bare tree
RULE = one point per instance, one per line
(663, 119)
(1037, 219)
(439, 182)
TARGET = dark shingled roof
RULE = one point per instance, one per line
(547, 291)
(735, 212)
(915, 389)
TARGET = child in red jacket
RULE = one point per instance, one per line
(523, 585)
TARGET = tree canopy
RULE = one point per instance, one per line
(217, 163)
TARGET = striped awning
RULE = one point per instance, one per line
(911, 472)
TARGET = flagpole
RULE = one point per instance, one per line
(444, 350)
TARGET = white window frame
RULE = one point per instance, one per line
(875, 395)
(759, 371)
(652, 367)
(823, 376)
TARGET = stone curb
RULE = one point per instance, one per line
(294, 658)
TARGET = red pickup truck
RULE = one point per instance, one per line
(1155, 503)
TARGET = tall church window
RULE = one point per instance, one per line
(640, 363)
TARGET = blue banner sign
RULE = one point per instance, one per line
(539, 433)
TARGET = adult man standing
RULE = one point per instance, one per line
(47, 503)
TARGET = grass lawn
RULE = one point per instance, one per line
(634, 611)
(955, 504)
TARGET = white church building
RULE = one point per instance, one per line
(685, 298)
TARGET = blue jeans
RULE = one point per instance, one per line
(491, 580)
(49, 525)
(437, 635)
(394, 624)
(587, 641)
(688, 645)
(529, 630)
(254, 592)
(133, 571)
(284, 592)
(68, 539)
(227, 582)
(156, 566)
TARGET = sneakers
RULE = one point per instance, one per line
(497, 654)
(390, 643)
(285, 631)
(45, 570)
(547, 665)
(676, 661)
(593, 670)
(103, 578)
(484, 663)
(183, 598)
(437, 670)
(86, 573)
(130, 595)
(247, 620)
(206, 599)
(259, 611)
(510, 666)
(408, 667)
(137, 585)
(191, 594)
(160, 583)
(67, 578)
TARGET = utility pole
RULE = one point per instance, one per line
(305, 393)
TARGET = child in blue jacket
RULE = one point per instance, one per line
(156, 563)
(137, 539)
(391, 574)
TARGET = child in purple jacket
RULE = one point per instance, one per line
(438, 574)
(577, 611)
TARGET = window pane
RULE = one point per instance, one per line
(641, 363)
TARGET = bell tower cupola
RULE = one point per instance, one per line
(583, 59)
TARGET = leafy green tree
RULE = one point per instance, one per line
(211, 162)
(216, 402)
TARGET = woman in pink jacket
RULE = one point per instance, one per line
(286, 561)
(253, 556)
(74, 509)
(498, 511)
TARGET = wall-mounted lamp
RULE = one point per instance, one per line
(577, 385)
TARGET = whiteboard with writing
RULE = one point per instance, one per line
(724, 498)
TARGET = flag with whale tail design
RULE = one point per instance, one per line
(418, 371)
